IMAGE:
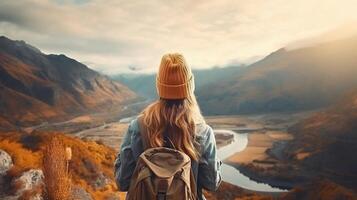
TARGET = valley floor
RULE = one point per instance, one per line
(262, 160)
(264, 131)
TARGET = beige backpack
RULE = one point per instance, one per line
(164, 174)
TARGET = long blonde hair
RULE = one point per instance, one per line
(175, 120)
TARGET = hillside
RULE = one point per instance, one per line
(321, 190)
(36, 87)
(91, 166)
(91, 169)
(286, 80)
(144, 84)
(327, 143)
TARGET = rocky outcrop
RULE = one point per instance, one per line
(29, 180)
(5, 165)
(101, 181)
(5, 162)
(37, 197)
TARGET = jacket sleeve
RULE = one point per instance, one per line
(125, 163)
(209, 168)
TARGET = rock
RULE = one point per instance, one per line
(29, 180)
(101, 181)
(9, 197)
(37, 197)
(5, 162)
(78, 193)
(5, 165)
(16, 197)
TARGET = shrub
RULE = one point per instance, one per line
(30, 141)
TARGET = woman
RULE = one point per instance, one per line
(173, 120)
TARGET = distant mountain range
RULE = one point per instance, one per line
(35, 86)
(286, 80)
(144, 84)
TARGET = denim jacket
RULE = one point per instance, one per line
(208, 173)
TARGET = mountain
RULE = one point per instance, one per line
(327, 142)
(286, 80)
(144, 84)
(35, 86)
(320, 189)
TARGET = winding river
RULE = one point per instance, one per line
(231, 174)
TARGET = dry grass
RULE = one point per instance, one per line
(55, 168)
(24, 159)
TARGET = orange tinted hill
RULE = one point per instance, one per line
(229, 191)
(91, 166)
(286, 80)
(35, 86)
(321, 189)
(327, 142)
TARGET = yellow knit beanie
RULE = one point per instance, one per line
(174, 79)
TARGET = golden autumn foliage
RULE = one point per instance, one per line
(23, 158)
(88, 160)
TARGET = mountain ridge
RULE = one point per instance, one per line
(286, 80)
(144, 84)
(49, 86)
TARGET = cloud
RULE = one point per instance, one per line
(115, 35)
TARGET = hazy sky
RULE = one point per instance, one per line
(112, 36)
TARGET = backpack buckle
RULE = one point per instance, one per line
(161, 196)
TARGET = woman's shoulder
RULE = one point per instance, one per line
(133, 122)
(136, 126)
(203, 130)
(135, 137)
(133, 130)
